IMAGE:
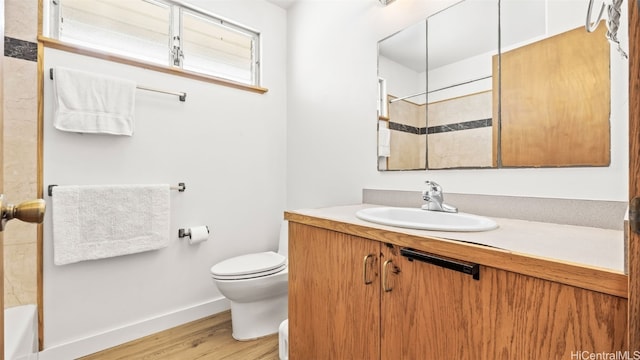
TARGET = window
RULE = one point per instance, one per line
(162, 32)
(217, 49)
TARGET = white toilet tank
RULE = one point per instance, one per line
(283, 245)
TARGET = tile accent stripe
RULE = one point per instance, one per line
(474, 124)
(406, 128)
(20, 49)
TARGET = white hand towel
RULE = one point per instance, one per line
(95, 222)
(92, 103)
(384, 142)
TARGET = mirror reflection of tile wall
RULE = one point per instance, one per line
(460, 132)
(408, 143)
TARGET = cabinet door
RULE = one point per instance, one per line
(427, 311)
(437, 313)
(527, 317)
(334, 303)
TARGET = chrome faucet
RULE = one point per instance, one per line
(435, 200)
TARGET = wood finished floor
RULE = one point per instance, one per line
(208, 338)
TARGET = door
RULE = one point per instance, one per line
(31, 211)
(634, 176)
(334, 295)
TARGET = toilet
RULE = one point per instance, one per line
(257, 288)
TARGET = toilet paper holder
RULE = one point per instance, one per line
(187, 232)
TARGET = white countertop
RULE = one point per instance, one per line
(596, 247)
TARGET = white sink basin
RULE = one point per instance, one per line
(414, 218)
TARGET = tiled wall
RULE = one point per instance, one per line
(460, 132)
(407, 121)
(20, 147)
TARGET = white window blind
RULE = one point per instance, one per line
(213, 47)
(162, 32)
(137, 29)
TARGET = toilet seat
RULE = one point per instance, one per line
(249, 266)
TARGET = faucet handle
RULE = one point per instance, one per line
(433, 186)
(435, 198)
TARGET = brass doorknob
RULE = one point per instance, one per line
(29, 211)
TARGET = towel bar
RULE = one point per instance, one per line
(181, 95)
(181, 188)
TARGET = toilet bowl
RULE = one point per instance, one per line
(256, 286)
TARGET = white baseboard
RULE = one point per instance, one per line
(117, 336)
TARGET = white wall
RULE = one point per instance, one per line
(458, 75)
(227, 145)
(332, 116)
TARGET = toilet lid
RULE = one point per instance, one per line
(250, 265)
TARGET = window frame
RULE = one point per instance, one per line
(177, 8)
(254, 35)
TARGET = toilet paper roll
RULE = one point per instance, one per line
(199, 234)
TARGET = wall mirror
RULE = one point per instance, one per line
(402, 122)
(461, 43)
(487, 84)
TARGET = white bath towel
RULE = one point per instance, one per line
(93, 103)
(384, 141)
(100, 221)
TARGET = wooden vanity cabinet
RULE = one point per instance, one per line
(417, 310)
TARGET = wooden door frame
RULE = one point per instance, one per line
(40, 179)
(634, 173)
(2, 183)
